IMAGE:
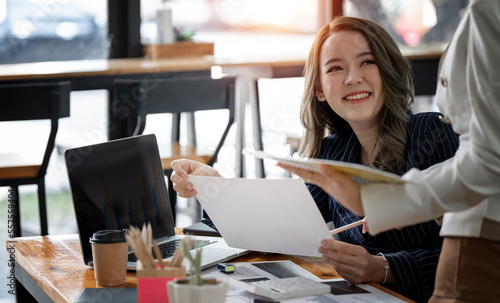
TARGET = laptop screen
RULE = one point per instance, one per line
(117, 184)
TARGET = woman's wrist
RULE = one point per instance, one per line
(384, 274)
(378, 270)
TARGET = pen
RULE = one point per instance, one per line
(346, 227)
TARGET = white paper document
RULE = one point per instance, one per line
(269, 215)
(341, 290)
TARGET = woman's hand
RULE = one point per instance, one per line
(353, 262)
(336, 184)
(182, 168)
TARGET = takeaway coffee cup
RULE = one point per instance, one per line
(110, 253)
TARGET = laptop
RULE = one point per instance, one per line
(120, 183)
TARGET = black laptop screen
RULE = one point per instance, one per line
(118, 184)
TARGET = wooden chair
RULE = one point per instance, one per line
(138, 98)
(24, 102)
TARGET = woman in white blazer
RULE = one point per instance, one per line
(466, 188)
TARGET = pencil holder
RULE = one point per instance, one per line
(152, 282)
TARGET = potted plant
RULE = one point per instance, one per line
(196, 289)
(183, 35)
(184, 46)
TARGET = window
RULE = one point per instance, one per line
(250, 29)
(411, 23)
(277, 16)
(36, 30)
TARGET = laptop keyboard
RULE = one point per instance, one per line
(168, 248)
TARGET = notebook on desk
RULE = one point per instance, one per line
(120, 183)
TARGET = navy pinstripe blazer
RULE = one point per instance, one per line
(412, 252)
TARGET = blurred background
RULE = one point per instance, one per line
(53, 30)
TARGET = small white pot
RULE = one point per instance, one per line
(207, 293)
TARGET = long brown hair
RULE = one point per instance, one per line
(320, 120)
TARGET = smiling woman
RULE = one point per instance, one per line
(350, 81)
(357, 95)
(358, 91)
(354, 57)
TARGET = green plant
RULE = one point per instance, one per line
(194, 262)
(183, 35)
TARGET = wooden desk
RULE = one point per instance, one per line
(52, 270)
(79, 69)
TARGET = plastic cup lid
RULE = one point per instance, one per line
(109, 236)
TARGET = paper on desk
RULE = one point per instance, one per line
(342, 291)
(277, 216)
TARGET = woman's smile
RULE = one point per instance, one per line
(357, 97)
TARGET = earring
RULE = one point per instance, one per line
(320, 96)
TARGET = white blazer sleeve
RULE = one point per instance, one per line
(474, 173)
